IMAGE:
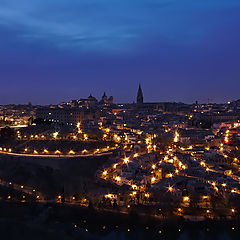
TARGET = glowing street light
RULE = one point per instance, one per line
(214, 184)
(45, 151)
(79, 127)
(176, 137)
(71, 152)
(105, 173)
(153, 179)
(55, 134)
(147, 195)
(148, 141)
(126, 160)
(134, 187)
(135, 155)
(202, 164)
(84, 151)
(118, 179)
(180, 210)
(186, 199)
(85, 136)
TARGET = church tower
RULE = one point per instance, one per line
(139, 95)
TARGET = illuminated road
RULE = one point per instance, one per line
(25, 189)
(56, 155)
(16, 126)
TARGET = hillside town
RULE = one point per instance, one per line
(160, 158)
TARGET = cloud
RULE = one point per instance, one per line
(90, 25)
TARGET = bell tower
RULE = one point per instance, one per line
(139, 95)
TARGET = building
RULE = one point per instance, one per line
(106, 101)
(68, 116)
(139, 95)
(89, 102)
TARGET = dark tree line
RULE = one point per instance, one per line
(7, 134)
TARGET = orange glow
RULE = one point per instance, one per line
(147, 195)
(126, 160)
(118, 179)
(186, 199)
(153, 179)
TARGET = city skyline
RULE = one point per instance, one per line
(135, 100)
(119, 119)
(179, 51)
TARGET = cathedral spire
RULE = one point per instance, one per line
(139, 95)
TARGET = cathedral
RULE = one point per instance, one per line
(139, 95)
(105, 100)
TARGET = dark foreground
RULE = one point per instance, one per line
(38, 221)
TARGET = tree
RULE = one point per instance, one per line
(7, 134)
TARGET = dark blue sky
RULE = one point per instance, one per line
(179, 50)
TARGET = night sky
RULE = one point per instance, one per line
(179, 50)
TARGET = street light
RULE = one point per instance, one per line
(153, 179)
(118, 179)
(126, 160)
(71, 152)
(55, 134)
